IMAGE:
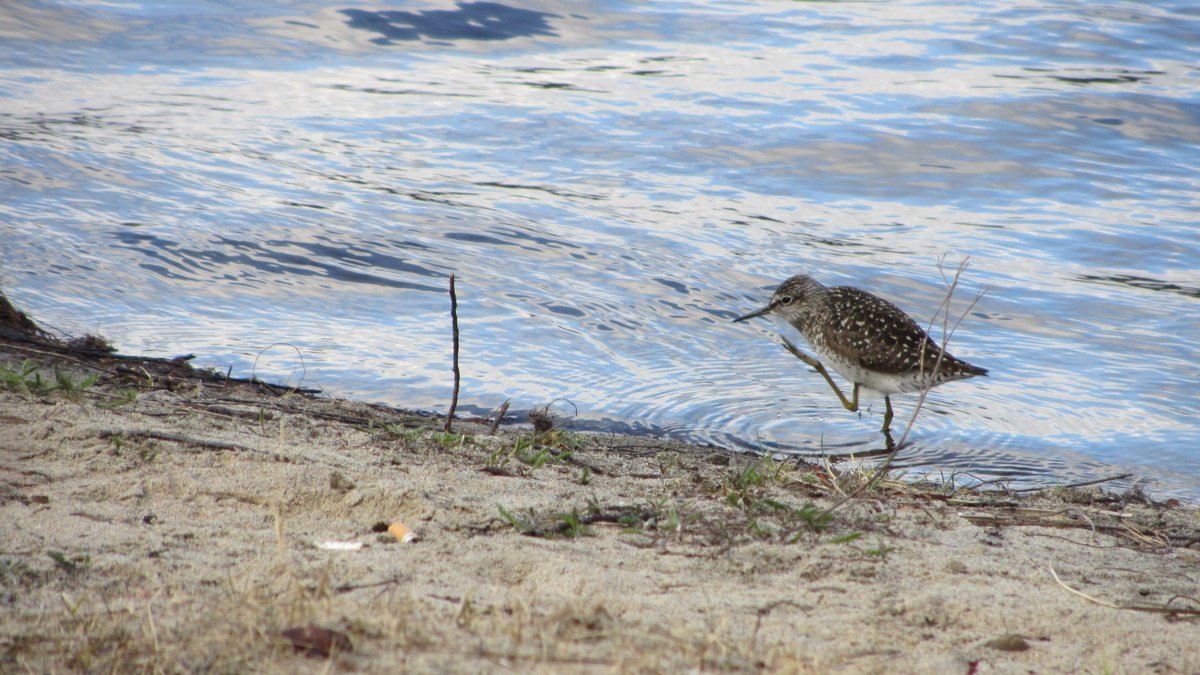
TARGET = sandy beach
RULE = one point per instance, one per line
(161, 519)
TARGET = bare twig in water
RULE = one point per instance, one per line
(454, 330)
(947, 333)
(299, 355)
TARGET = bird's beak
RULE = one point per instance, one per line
(758, 312)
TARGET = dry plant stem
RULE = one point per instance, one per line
(947, 335)
(499, 417)
(943, 310)
(457, 374)
(178, 438)
(948, 332)
(1134, 608)
(299, 355)
(1120, 476)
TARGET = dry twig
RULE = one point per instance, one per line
(499, 417)
(947, 333)
(1157, 609)
(454, 330)
(185, 440)
(1120, 476)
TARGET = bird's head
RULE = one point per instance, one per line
(790, 300)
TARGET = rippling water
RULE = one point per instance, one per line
(612, 182)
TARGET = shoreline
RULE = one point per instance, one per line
(160, 517)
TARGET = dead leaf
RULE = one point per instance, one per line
(317, 642)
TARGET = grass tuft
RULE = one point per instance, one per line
(26, 377)
(74, 565)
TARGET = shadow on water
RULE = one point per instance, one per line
(337, 262)
(1141, 282)
(1084, 77)
(471, 21)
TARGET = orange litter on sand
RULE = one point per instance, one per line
(402, 532)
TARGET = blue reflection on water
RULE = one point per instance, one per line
(612, 183)
(470, 21)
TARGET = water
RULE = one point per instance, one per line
(283, 188)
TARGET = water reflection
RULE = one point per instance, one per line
(612, 192)
(275, 260)
(471, 21)
(1141, 282)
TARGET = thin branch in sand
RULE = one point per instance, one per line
(1120, 476)
(1156, 609)
(179, 438)
(457, 374)
(499, 417)
(346, 588)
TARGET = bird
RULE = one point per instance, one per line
(865, 338)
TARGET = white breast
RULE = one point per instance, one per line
(879, 382)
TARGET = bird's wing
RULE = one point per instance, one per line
(874, 333)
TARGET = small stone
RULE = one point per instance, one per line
(1008, 643)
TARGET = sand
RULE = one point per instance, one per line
(164, 520)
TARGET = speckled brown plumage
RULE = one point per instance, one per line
(867, 339)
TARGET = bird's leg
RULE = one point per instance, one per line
(848, 404)
(889, 443)
(887, 423)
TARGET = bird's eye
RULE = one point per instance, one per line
(786, 300)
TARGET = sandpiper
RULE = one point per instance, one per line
(868, 340)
